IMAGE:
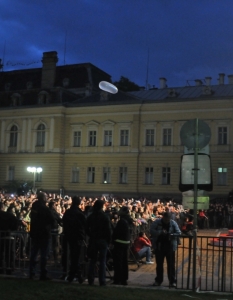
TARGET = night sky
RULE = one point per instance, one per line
(177, 39)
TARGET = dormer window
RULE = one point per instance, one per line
(29, 85)
(66, 82)
(7, 86)
(43, 98)
(15, 99)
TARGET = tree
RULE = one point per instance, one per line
(125, 85)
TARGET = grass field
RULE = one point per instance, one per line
(25, 289)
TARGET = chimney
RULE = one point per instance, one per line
(49, 61)
(208, 81)
(162, 82)
(230, 79)
(198, 82)
(221, 78)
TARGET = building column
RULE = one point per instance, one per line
(23, 136)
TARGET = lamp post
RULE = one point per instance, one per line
(34, 170)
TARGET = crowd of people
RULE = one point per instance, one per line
(104, 223)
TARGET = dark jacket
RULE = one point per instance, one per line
(41, 220)
(57, 220)
(8, 222)
(74, 224)
(121, 233)
(99, 226)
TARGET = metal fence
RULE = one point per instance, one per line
(214, 259)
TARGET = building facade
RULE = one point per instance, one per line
(90, 142)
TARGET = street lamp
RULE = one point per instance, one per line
(34, 170)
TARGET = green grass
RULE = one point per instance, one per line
(25, 289)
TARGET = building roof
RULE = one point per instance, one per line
(187, 92)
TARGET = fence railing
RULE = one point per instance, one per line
(214, 259)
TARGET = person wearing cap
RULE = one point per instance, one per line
(99, 230)
(74, 225)
(40, 232)
(165, 233)
(121, 242)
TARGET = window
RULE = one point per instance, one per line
(13, 136)
(75, 174)
(11, 173)
(91, 174)
(124, 137)
(77, 138)
(106, 175)
(40, 135)
(149, 175)
(167, 137)
(222, 135)
(222, 176)
(123, 175)
(92, 138)
(150, 136)
(38, 177)
(166, 175)
(107, 137)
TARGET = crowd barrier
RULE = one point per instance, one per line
(214, 259)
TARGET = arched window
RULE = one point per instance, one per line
(13, 136)
(40, 136)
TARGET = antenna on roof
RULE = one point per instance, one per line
(147, 69)
(65, 48)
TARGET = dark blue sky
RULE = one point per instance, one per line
(187, 39)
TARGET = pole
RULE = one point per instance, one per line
(195, 205)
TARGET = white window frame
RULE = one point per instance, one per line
(167, 143)
(11, 173)
(90, 174)
(123, 175)
(151, 139)
(124, 138)
(75, 174)
(40, 135)
(77, 137)
(223, 135)
(149, 175)
(106, 175)
(13, 141)
(222, 176)
(166, 175)
(108, 138)
(92, 138)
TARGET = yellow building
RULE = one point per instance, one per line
(90, 142)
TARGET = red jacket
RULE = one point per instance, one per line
(141, 242)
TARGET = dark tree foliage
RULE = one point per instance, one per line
(125, 85)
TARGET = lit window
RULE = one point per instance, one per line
(222, 176)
